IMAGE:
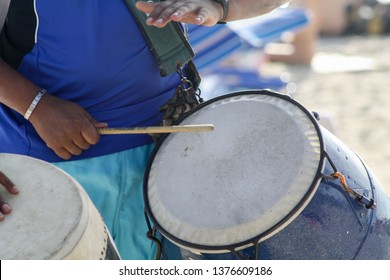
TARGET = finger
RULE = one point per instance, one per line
(5, 208)
(145, 7)
(175, 9)
(100, 124)
(67, 151)
(90, 134)
(62, 153)
(193, 16)
(8, 184)
(73, 149)
(81, 143)
(158, 14)
(182, 9)
(202, 16)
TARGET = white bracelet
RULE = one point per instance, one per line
(34, 103)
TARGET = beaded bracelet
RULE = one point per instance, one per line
(34, 103)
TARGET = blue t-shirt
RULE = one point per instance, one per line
(90, 52)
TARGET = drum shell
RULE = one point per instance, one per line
(334, 225)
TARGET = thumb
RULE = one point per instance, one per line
(94, 122)
(97, 124)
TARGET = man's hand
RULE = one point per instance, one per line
(205, 12)
(65, 127)
(5, 208)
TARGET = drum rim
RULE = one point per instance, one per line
(266, 234)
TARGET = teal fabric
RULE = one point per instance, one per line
(115, 185)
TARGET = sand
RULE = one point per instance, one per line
(348, 82)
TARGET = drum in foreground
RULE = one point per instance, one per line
(268, 183)
(52, 216)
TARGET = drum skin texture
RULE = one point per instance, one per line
(52, 216)
(333, 225)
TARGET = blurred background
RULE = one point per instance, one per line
(332, 56)
(346, 78)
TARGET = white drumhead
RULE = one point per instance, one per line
(51, 214)
(250, 177)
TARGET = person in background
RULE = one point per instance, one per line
(331, 18)
(69, 67)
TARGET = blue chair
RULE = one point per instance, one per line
(212, 45)
(259, 31)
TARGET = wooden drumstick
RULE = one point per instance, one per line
(157, 129)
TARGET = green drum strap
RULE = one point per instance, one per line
(168, 44)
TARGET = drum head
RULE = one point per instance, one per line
(49, 214)
(241, 183)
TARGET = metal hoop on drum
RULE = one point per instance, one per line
(264, 175)
(65, 225)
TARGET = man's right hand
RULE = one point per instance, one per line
(5, 208)
(65, 126)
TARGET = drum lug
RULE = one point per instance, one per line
(316, 115)
(151, 235)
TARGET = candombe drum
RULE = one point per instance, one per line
(52, 216)
(268, 183)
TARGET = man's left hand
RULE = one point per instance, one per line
(200, 12)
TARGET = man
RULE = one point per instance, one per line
(70, 67)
